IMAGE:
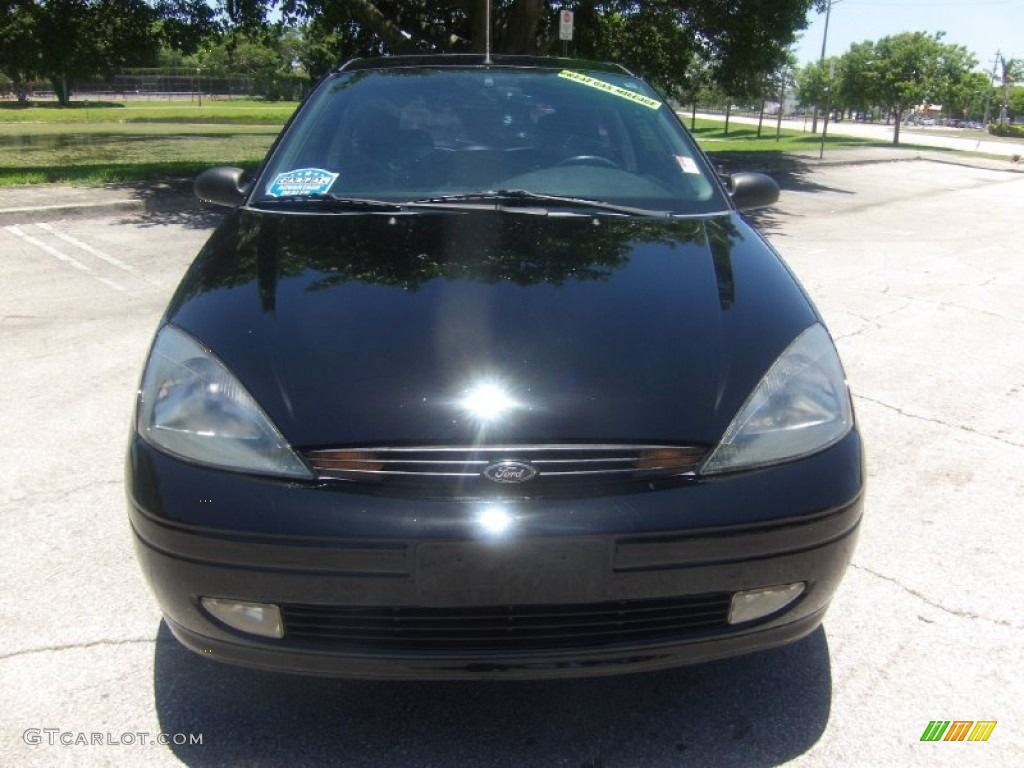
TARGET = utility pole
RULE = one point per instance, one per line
(487, 37)
(1003, 119)
(988, 95)
(821, 61)
(828, 107)
(783, 81)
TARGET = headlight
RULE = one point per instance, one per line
(801, 406)
(190, 405)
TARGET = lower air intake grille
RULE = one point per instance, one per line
(506, 628)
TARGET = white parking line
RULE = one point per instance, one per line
(17, 232)
(97, 253)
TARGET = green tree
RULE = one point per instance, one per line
(953, 78)
(19, 51)
(66, 40)
(1012, 72)
(186, 25)
(650, 38)
(913, 68)
(810, 84)
(173, 58)
(744, 39)
(334, 36)
(967, 97)
(120, 33)
(265, 56)
(1015, 103)
(698, 77)
(857, 83)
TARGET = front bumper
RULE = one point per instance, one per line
(201, 532)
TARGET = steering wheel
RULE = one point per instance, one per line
(589, 160)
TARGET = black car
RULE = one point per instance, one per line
(486, 376)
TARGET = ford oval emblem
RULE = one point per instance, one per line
(510, 472)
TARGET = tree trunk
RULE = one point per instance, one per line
(370, 15)
(60, 89)
(778, 122)
(521, 32)
(478, 27)
(896, 119)
(728, 111)
(760, 119)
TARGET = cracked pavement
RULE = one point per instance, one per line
(917, 266)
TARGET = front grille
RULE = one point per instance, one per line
(466, 468)
(506, 628)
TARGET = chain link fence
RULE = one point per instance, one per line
(175, 84)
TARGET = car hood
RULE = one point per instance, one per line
(373, 329)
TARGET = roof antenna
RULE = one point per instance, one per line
(487, 37)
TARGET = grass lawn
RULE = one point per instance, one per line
(97, 153)
(156, 111)
(107, 142)
(104, 142)
(742, 137)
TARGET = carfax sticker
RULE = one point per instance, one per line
(303, 181)
(615, 90)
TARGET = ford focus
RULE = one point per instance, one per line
(486, 374)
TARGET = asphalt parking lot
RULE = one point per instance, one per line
(917, 266)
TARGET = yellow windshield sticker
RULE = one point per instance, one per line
(622, 93)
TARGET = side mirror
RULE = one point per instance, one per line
(222, 186)
(752, 190)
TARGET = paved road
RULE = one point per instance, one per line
(917, 267)
(942, 138)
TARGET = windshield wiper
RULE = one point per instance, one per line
(333, 202)
(518, 196)
(500, 197)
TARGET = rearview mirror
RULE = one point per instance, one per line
(752, 190)
(222, 186)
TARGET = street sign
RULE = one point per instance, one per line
(565, 26)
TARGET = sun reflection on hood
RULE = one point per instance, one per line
(488, 401)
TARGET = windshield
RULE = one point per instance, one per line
(421, 134)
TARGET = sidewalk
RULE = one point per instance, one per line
(769, 162)
(42, 202)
